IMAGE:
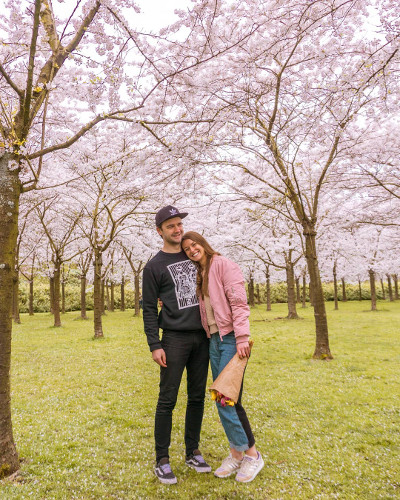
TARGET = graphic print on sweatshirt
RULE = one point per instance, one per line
(184, 275)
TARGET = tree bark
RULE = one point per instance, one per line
(304, 294)
(112, 299)
(359, 290)
(322, 350)
(16, 316)
(56, 296)
(389, 280)
(258, 293)
(251, 291)
(9, 203)
(396, 287)
(137, 294)
(83, 297)
(298, 294)
(344, 295)
(122, 304)
(335, 287)
(383, 289)
(63, 296)
(291, 296)
(31, 312)
(98, 297)
(268, 289)
(51, 281)
(371, 273)
(107, 295)
(102, 293)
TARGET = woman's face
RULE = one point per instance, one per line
(194, 251)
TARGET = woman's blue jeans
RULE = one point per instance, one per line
(233, 418)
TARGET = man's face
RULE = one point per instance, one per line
(171, 230)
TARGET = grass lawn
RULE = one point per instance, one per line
(83, 410)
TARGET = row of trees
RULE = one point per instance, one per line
(273, 122)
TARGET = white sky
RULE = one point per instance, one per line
(156, 14)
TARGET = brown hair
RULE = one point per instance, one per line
(202, 273)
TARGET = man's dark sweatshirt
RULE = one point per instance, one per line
(170, 277)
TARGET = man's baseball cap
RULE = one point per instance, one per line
(168, 212)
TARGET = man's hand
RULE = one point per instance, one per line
(160, 357)
(243, 350)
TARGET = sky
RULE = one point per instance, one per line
(156, 14)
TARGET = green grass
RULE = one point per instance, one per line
(83, 411)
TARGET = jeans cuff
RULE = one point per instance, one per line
(243, 447)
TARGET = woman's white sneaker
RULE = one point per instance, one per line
(229, 466)
(249, 468)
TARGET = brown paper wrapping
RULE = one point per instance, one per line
(229, 381)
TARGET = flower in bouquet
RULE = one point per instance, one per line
(220, 398)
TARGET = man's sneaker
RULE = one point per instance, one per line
(164, 473)
(250, 468)
(228, 467)
(197, 462)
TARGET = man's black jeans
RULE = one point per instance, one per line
(183, 350)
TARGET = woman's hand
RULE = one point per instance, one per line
(243, 350)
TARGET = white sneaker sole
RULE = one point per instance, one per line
(226, 475)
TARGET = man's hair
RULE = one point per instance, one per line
(202, 273)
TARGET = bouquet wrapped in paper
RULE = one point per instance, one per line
(226, 387)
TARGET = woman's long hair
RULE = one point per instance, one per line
(202, 273)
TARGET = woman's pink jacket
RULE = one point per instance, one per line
(228, 299)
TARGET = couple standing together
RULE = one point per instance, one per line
(204, 316)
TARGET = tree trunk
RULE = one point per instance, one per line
(371, 273)
(344, 296)
(63, 297)
(335, 294)
(298, 294)
(83, 297)
(112, 300)
(9, 202)
(383, 289)
(268, 289)
(291, 296)
(251, 292)
(98, 297)
(322, 350)
(102, 293)
(396, 287)
(304, 295)
(359, 290)
(107, 290)
(51, 294)
(310, 292)
(56, 299)
(137, 294)
(16, 316)
(389, 280)
(31, 312)
(258, 293)
(122, 304)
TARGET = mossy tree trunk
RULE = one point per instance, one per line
(291, 296)
(298, 294)
(335, 287)
(122, 303)
(390, 289)
(112, 296)
(16, 315)
(83, 297)
(10, 190)
(251, 291)
(322, 349)
(371, 273)
(98, 297)
(359, 290)
(396, 287)
(304, 294)
(344, 295)
(31, 296)
(268, 287)
(51, 287)
(137, 293)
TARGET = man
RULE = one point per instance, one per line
(171, 278)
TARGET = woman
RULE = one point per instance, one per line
(224, 315)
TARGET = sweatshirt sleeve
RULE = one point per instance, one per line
(235, 292)
(150, 309)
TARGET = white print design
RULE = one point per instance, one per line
(184, 275)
